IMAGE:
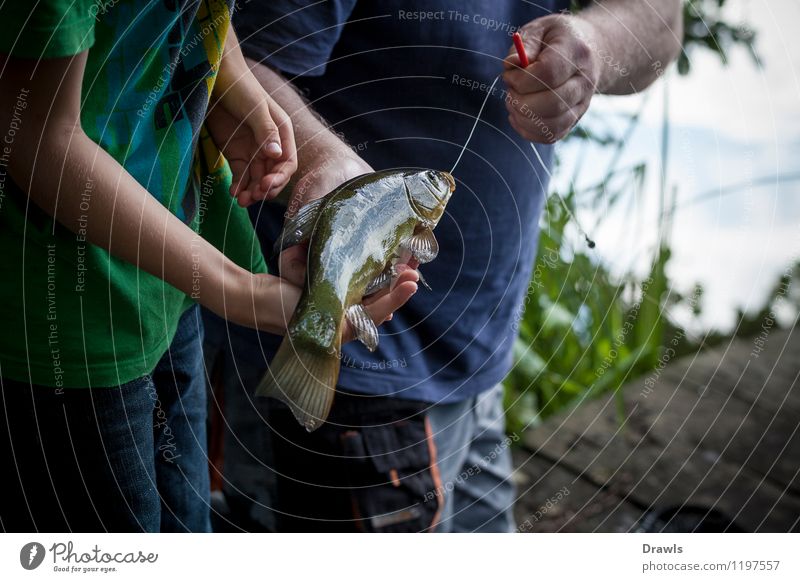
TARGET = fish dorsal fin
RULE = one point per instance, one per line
(422, 245)
(362, 323)
(298, 228)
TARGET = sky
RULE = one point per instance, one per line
(730, 125)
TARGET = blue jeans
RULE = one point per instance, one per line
(474, 459)
(118, 459)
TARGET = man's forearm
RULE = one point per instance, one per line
(634, 40)
(324, 159)
(312, 135)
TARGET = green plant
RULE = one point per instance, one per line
(585, 332)
(705, 28)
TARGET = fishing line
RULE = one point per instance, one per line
(475, 125)
(589, 242)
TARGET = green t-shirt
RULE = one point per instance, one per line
(71, 314)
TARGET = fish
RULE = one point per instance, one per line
(356, 235)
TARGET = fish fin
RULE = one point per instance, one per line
(423, 281)
(306, 383)
(362, 323)
(422, 245)
(381, 281)
(297, 228)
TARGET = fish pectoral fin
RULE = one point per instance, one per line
(304, 380)
(381, 281)
(297, 228)
(422, 245)
(366, 331)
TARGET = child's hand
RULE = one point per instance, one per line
(267, 302)
(255, 136)
(382, 305)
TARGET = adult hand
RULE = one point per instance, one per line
(546, 99)
(384, 303)
(329, 166)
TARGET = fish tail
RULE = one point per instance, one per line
(305, 380)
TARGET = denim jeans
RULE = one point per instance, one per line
(118, 459)
(474, 458)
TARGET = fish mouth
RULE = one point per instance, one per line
(452, 181)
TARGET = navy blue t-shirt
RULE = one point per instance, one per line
(403, 81)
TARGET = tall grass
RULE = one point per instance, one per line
(585, 331)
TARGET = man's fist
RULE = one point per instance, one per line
(546, 99)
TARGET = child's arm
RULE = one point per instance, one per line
(243, 120)
(53, 160)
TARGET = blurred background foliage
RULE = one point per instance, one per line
(584, 331)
